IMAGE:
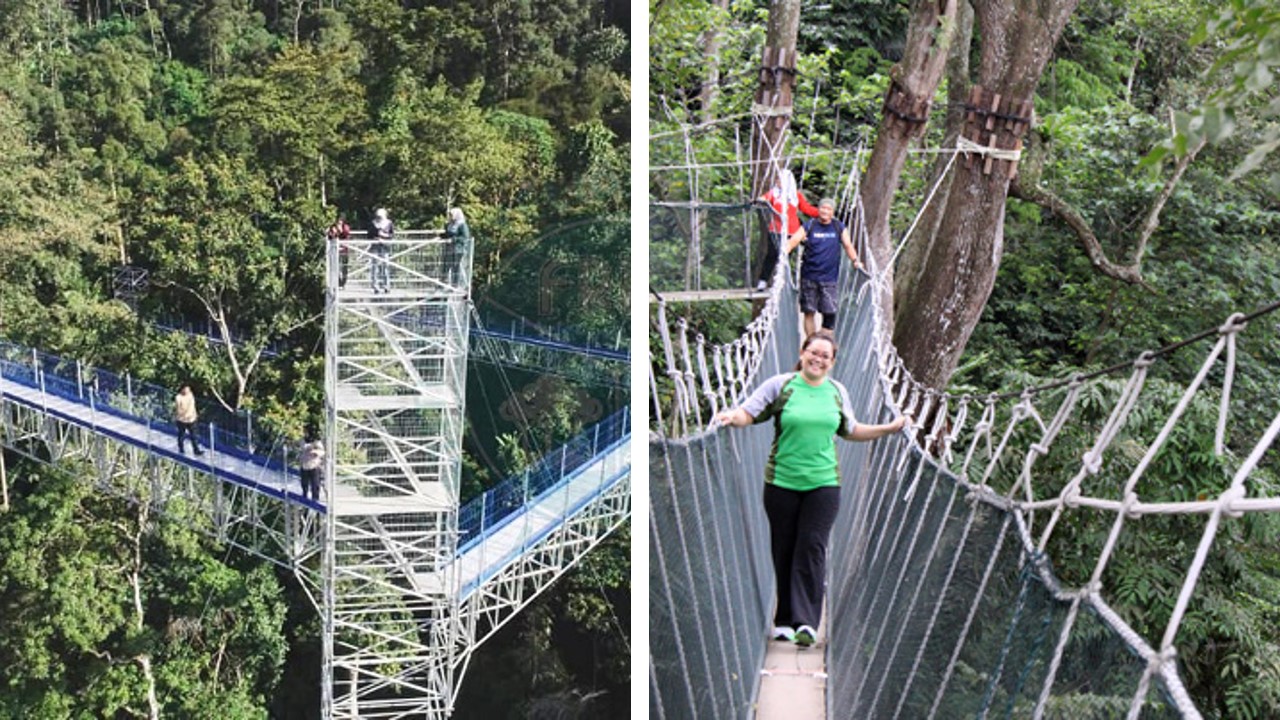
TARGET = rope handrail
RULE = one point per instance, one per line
(958, 485)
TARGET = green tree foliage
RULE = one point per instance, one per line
(76, 571)
(210, 144)
(1123, 68)
(1245, 101)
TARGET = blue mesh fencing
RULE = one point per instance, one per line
(102, 390)
(490, 511)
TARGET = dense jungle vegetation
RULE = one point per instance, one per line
(1139, 100)
(211, 143)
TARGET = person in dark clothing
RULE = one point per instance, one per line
(309, 463)
(340, 232)
(823, 237)
(381, 232)
(457, 229)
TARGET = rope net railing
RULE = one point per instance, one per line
(1025, 554)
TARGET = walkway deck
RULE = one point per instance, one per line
(521, 530)
(793, 683)
(233, 468)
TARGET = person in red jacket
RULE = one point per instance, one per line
(784, 200)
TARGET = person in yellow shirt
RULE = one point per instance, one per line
(184, 416)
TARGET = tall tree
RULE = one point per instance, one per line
(774, 95)
(913, 82)
(959, 269)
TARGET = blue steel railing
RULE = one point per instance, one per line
(616, 354)
(491, 511)
(142, 402)
(591, 351)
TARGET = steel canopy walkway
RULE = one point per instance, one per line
(408, 583)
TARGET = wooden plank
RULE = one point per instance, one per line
(793, 682)
(704, 295)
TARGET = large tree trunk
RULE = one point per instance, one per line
(774, 96)
(914, 80)
(711, 58)
(941, 310)
(910, 265)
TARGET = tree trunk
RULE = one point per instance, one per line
(910, 264)
(913, 82)
(774, 96)
(941, 311)
(711, 58)
(139, 611)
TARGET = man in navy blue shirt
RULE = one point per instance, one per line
(823, 237)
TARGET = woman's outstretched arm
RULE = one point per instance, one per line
(862, 432)
(736, 417)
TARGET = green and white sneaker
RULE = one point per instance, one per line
(805, 636)
(783, 632)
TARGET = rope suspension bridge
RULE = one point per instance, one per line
(944, 598)
(407, 581)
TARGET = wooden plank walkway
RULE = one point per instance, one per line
(704, 295)
(793, 683)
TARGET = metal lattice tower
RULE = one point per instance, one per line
(408, 583)
(395, 376)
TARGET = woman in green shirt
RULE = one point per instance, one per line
(802, 479)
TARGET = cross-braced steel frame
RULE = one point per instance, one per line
(285, 533)
(498, 598)
(395, 376)
(400, 619)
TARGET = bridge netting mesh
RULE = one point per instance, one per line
(979, 559)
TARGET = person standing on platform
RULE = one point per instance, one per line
(309, 462)
(340, 232)
(185, 416)
(802, 477)
(820, 267)
(457, 229)
(381, 232)
(784, 200)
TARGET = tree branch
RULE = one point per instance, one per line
(1131, 274)
(218, 315)
(1153, 217)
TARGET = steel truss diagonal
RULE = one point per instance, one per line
(546, 558)
(286, 533)
(403, 605)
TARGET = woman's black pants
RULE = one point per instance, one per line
(799, 527)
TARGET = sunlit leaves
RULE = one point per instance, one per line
(1249, 35)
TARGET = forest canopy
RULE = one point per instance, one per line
(1144, 210)
(209, 144)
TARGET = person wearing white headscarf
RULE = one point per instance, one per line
(784, 200)
(380, 232)
(457, 229)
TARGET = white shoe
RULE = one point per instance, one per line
(806, 636)
(761, 285)
(783, 632)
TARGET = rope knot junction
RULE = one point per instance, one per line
(1233, 324)
(1228, 498)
